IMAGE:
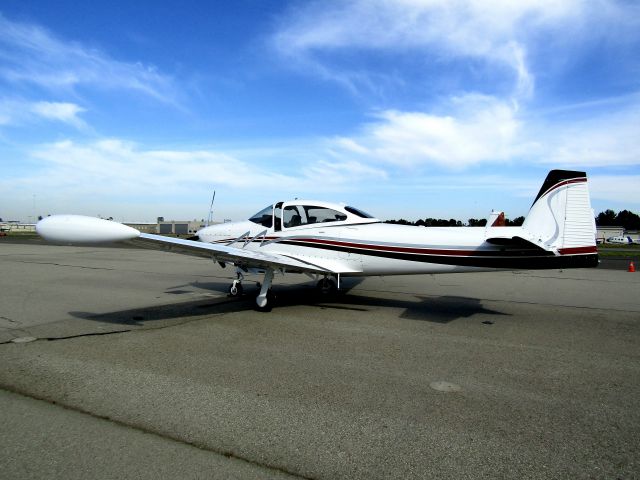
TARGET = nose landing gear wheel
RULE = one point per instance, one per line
(235, 290)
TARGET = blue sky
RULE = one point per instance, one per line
(404, 108)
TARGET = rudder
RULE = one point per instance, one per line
(561, 218)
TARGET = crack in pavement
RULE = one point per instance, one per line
(90, 334)
(143, 328)
(10, 320)
(91, 252)
(143, 429)
(66, 265)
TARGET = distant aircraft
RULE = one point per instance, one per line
(621, 239)
(329, 241)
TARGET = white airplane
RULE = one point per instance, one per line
(625, 240)
(329, 241)
(620, 239)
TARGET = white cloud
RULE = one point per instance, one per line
(491, 30)
(479, 129)
(15, 112)
(60, 111)
(113, 165)
(349, 172)
(497, 33)
(29, 54)
(596, 140)
(623, 189)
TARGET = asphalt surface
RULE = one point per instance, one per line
(134, 363)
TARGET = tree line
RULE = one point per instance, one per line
(452, 222)
(624, 218)
(608, 218)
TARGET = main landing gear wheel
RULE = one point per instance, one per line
(265, 299)
(268, 303)
(327, 287)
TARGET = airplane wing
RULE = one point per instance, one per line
(222, 253)
(78, 229)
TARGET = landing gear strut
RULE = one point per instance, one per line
(264, 300)
(235, 290)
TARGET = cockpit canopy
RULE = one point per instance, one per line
(300, 213)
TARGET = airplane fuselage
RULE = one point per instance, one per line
(370, 249)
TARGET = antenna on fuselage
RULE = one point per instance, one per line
(211, 209)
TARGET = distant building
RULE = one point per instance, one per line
(15, 226)
(179, 227)
(144, 227)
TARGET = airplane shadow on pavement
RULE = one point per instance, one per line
(438, 309)
(446, 309)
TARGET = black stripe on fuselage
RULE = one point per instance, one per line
(503, 258)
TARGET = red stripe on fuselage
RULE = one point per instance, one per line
(578, 250)
(389, 248)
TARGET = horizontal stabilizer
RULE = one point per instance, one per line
(513, 241)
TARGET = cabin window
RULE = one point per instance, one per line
(323, 215)
(294, 216)
(297, 215)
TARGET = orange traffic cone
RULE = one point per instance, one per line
(632, 267)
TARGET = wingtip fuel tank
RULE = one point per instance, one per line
(80, 229)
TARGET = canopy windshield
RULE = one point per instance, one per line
(358, 212)
(264, 217)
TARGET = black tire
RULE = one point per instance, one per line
(327, 287)
(271, 298)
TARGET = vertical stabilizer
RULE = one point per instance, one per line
(561, 218)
